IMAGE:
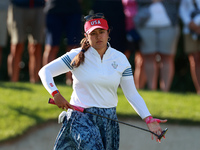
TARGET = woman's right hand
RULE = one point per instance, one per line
(61, 102)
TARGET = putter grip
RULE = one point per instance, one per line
(51, 101)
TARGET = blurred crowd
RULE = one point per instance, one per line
(149, 29)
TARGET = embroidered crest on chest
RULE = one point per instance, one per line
(115, 65)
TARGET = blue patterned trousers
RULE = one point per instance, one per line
(84, 131)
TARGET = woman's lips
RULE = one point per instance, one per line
(99, 42)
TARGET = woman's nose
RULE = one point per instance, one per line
(98, 35)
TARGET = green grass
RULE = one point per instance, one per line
(24, 105)
(182, 108)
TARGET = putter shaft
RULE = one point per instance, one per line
(51, 101)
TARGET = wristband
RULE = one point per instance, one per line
(83, 50)
(54, 92)
(150, 119)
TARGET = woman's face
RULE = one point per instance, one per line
(98, 39)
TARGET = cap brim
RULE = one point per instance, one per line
(95, 27)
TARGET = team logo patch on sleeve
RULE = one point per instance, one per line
(51, 84)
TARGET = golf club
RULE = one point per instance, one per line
(80, 109)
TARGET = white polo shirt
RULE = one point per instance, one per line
(95, 82)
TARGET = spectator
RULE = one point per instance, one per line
(3, 27)
(25, 19)
(113, 11)
(62, 17)
(159, 35)
(133, 42)
(190, 15)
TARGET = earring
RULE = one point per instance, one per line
(109, 38)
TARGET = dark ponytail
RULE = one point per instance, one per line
(80, 57)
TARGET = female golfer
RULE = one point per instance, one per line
(98, 70)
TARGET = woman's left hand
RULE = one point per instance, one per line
(154, 126)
